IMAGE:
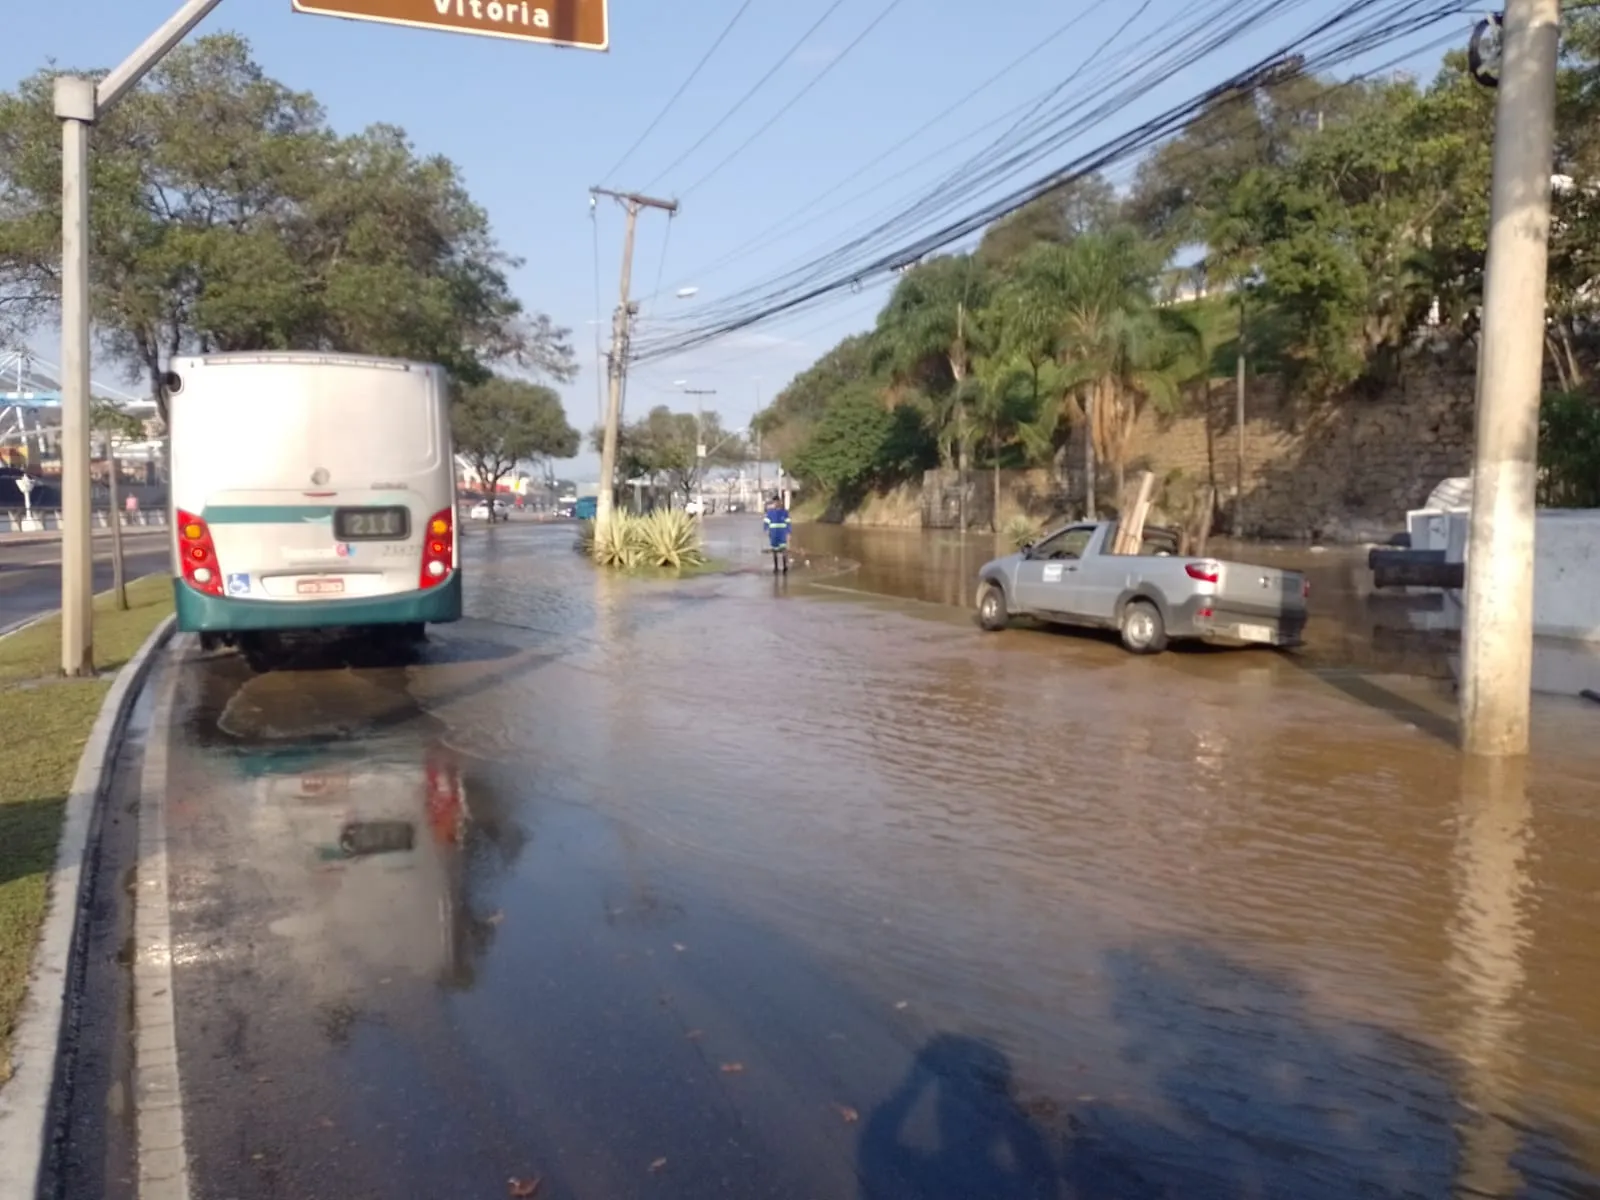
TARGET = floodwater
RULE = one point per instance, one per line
(742, 886)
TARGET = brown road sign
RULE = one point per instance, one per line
(580, 23)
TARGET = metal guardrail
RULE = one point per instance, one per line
(48, 520)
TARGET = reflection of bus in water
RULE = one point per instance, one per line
(363, 855)
(311, 492)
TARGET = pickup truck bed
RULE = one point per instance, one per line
(1151, 598)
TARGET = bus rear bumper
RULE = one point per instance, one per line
(202, 613)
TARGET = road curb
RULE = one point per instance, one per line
(25, 1101)
(157, 1090)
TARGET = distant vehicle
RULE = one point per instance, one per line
(696, 508)
(311, 492)
(1151, 598)
(484, 510)
(584, 508)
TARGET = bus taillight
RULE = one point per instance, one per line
(199, 554)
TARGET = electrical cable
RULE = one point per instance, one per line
(787, 222)
(661, 267)
(682, 87)
(1300, 52)
(745, 99)
(798, 96)
(948, 193)
(1372, 36)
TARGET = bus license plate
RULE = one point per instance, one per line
(320, 587)
(371, 524)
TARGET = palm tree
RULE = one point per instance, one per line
(1004, 401)
(927, 335)
(1117, 351)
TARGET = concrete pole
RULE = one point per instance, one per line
(631, 203)
(75, 107)
(618, 364)
(1497, 637)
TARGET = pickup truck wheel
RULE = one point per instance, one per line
(1143, 630)
(992, 614)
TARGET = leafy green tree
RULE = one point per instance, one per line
(228, 216)
(1075, 208)
(502, 422)
(663, 445)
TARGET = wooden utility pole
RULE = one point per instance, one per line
(621, 323)
(1497, 635)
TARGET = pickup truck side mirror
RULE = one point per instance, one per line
(1026, 549)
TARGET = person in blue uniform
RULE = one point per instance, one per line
(776, 520)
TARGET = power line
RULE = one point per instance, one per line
(786, 223)
(682, 87)
(798, 96)
(1036, 139)
(743, 100)
(1300, 52)
(946, 196)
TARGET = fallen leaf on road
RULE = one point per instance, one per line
(679, 947)
(732, 1068)
(849, 1114)
(658, 1164)
(900, 1003)
(495, 917)
(524, 1187)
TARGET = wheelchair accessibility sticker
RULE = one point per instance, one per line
(238, 585)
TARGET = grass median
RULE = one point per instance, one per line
(44, 722)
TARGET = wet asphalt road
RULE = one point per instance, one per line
(743, 887)
(30, 574)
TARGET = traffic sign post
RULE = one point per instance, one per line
(581, 24)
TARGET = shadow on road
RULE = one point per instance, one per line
(1236, 1089)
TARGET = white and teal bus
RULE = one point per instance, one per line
(311, 492)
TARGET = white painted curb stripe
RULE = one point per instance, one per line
(158, 1099)
(36, 1046)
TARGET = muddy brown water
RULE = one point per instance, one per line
(975, 915)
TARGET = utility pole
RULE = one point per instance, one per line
(79, 103)
(618, 365)
(1238, 420)
(1497, 637)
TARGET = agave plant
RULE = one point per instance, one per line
(619, 543)
(585, 542)
(1020, 531)
(671, 538)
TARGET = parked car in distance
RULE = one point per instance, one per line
(1151, 598)
(486, 510)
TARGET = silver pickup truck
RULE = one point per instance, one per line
(1152, 598)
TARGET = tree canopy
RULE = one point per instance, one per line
(1331, 229)
(502, 422)
(662, 446)
(228, 215)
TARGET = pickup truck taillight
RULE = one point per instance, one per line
(1205, 572)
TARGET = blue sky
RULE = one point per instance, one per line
(532, 127)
